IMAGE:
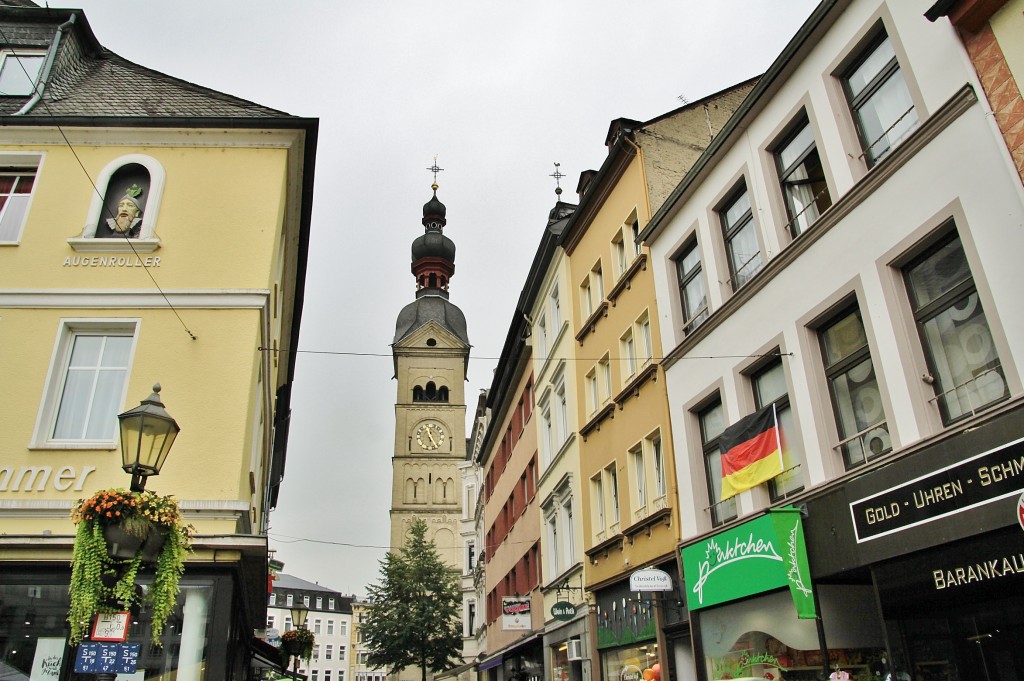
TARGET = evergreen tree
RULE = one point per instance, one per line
(413, 617)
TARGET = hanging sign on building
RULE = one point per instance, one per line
(515, 613)
(763, 554)
(563, 611)
(650, 579)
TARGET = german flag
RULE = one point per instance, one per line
(751, 451)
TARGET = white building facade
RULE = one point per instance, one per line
(329, 618)
(846, 250)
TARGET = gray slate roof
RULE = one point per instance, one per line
(89, 80)
(431, 308)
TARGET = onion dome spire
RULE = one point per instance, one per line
(433, 254)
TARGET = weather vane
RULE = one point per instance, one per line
(434, 169)
(558, 177)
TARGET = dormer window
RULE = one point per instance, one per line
(19, 72)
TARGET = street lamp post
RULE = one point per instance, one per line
(147, 433)
(299, 614)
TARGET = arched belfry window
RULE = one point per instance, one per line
(431, 393)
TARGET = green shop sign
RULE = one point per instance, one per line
(563, 610)
(763, 554)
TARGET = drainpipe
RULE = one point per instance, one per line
(44, 75)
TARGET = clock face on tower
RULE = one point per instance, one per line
(430, 435)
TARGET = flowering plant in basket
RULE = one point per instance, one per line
(301, 640)
(101, 581)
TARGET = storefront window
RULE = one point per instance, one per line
(33, 633)
(560, 662)
(761, 638)
(636, 663)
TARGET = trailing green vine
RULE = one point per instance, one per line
(101, 583)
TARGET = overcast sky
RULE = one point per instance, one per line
(499, 92)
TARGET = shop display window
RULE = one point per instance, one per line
(633, 663)
(33, 632)
(761, 638)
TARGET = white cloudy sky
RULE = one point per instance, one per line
(498, 91)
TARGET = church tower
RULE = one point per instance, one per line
(431, 353)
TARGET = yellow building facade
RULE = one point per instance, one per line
(200, 293)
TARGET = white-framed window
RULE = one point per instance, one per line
(693, 295)
(568, 531)
(556, 311)
(17, 182)
(19, 71)
(741, 246)
(330, 604)
(639, 487)
(341, 652)
(542, 338)
(627, 345)
(604, 377)
(287, 623)
(316, 651)
(593, 394)
(597, 283)
(547, 432)
(470, 555)
(330, 627)
(270, 621)
(598, 505)
(136, 169)
(561, 412)
(883, 110)
(317, 624)
(343, 628)
(328, 652)
(305, 601)
(619, 254)
(319, 602)
(327, 674)
(634, 234)
(86, 384)
(801, 177)
(554, 557)
(658, 456)
(273, 599)
(643, 328)
(586, 300)
(290, 600)
(611, 475)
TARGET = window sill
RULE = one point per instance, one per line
(114, 245)
(615, 541)
(595, 422)
(625, 281)
(650, 372)
(85, 446)
(648, 523)
(559, 581)
(591, 323)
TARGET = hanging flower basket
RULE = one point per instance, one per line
(119, 530)
(298, 643)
